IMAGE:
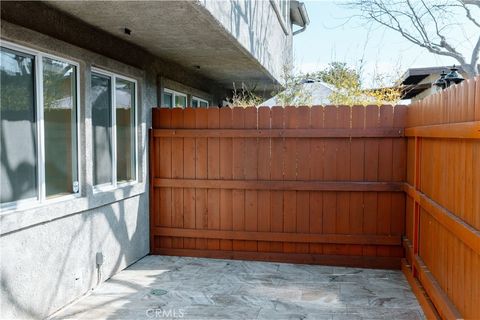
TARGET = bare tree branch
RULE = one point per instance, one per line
(423, 24)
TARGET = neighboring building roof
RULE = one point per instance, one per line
(320, 93)
(415, 79)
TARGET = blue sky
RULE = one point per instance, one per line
(330, 38)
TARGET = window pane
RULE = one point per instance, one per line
(101, 125)
(60, 126)
(203, 104)
(194, 103)
(167, 100)
(125, 117)
(18, 172)
(180, 101)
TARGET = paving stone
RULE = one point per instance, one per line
(160, 287)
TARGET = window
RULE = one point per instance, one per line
(199, 103)
(167, 99)
(174, 99)
(39, 127)
(114, 129)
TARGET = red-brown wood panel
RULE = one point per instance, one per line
(316, 165)
(264, 165)
(253, 164)
(213, 172)
(446, 197)
(329, 210)
(226, 173)
(357, 173)
(385, 173)
(201, 172)
(189, 155)
(371, 174)
(276, 173)
(343, 174)
(290, 173)
(165, 171)
(303, 174)
(251, 173)
(238, 196)
(177, 173)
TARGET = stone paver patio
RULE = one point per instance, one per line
(160, 287)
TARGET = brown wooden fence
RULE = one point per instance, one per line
(314, 185)
(443, 203)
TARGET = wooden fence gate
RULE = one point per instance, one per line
(312, 185)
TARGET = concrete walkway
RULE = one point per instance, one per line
(160, 287)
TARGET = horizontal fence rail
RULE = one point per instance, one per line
(442, 238)
(315, 185)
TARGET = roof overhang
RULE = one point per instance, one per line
(182, 32)
(416, 75)
(298, 14)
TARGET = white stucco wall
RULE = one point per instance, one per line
(48, 265)
(48, 251)
(254, 24)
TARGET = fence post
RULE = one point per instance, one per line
(151, 174)
(416, 205)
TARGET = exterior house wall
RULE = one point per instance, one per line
(48, 252)
(247, 22)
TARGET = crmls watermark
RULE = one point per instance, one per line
(164, 313)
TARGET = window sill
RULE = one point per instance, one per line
(34, 203)
(19, 218)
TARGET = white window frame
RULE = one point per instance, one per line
(199, 100)
(114, 184)
(174, 95)
(41, 198)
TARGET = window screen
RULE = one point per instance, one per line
(101, 125)
(18, 134)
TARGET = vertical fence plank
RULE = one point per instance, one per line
(357, 173)
(371, 174)
(189, 173)
(251, 169)
(385, 169)
(177, 173)
(316, 165)
(226, 173)
(276, 173)
(263, 164)
(397, 227)
(213, 172)
(290, 173)
(330, 172)
(343, 174)
(303, 174)
(201, 168)
(165, 171)
(238, 173)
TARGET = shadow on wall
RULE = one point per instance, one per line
(259, 17)
(52, 263)
(17, 169)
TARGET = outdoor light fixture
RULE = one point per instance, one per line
(446, 80)
(454, 76)
(441, 82)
